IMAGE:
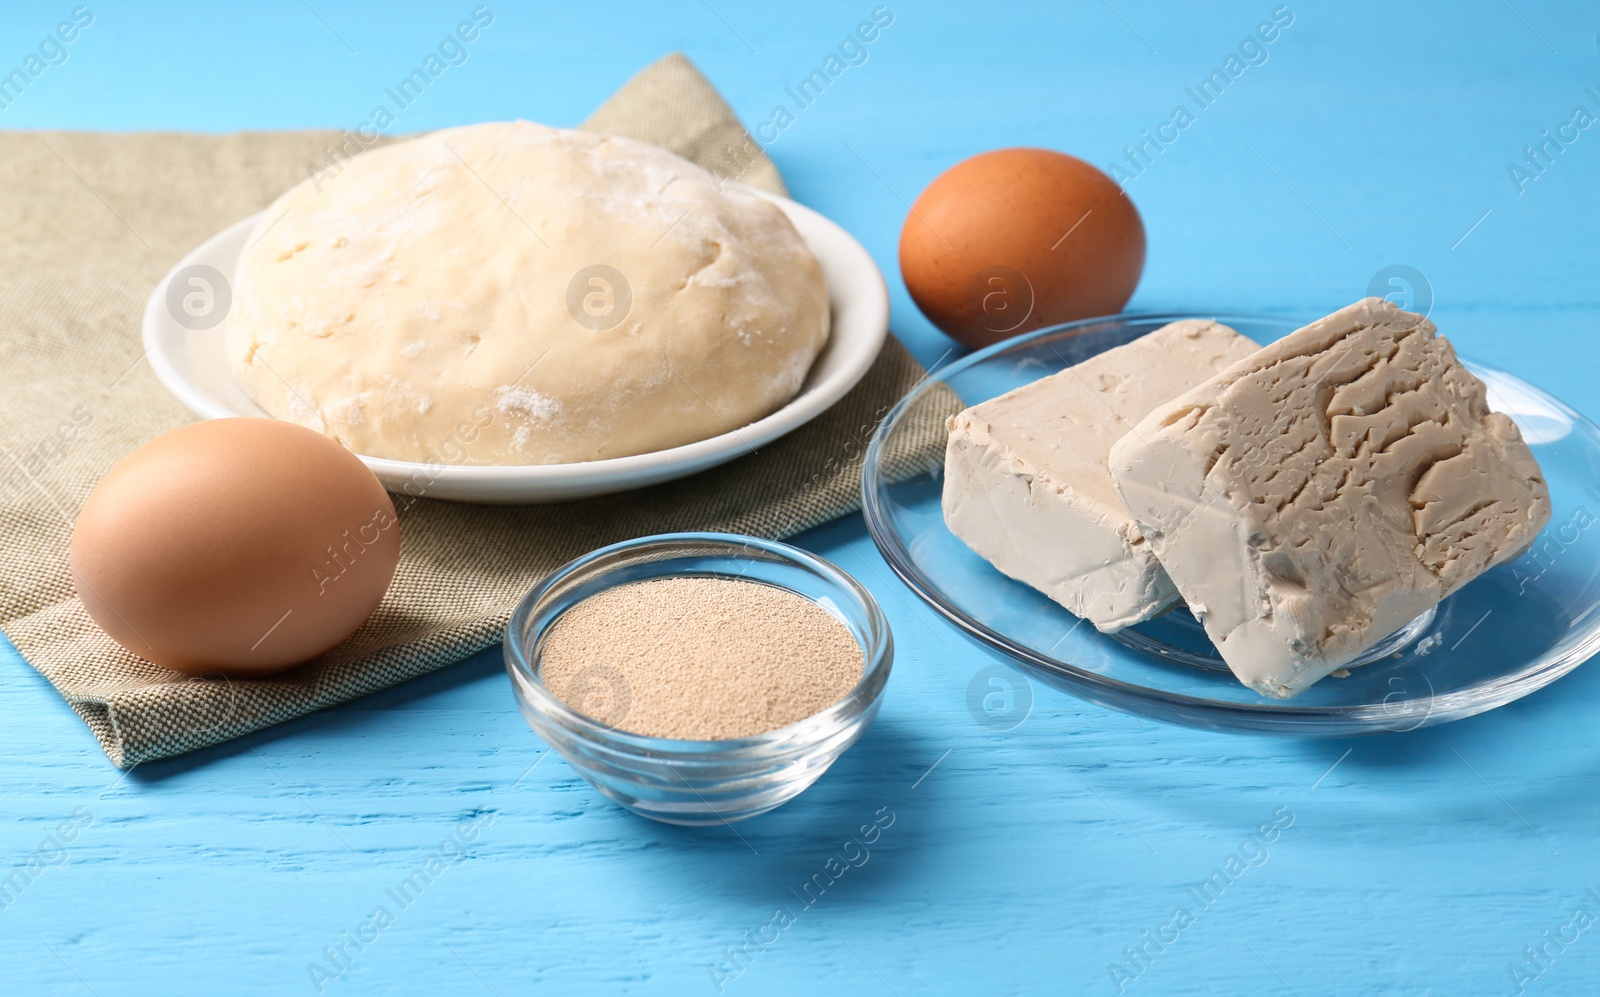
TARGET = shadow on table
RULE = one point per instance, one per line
(486, 665)
(1529, 756)
(858, 830)
(809, 848)
(1559, 709)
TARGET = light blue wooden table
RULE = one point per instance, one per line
(1450, 861)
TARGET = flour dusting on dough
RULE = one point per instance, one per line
(409, 298)
(526, 401)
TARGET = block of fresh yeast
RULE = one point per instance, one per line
(1312, 498)
(1026, 483)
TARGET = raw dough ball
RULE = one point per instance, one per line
(508, 293)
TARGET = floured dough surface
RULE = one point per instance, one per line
(436, 301)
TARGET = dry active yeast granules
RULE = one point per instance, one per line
(699, 658)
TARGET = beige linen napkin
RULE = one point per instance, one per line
(91, 222)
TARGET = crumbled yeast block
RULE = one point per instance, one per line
(1310, 500)
(1026, 484)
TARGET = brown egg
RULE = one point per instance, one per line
(235, 547)
(1017, 239)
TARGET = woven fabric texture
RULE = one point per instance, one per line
(93, 221)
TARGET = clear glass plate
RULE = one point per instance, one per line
(1515, 629)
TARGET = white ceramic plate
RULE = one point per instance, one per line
(190, 362)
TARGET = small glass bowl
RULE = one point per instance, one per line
(699, 782)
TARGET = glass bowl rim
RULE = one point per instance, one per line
(878, 657)
(1264, 716)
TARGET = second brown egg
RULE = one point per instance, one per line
(1018, 239)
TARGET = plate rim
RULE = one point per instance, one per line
(1180, 708)
(535, 483)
